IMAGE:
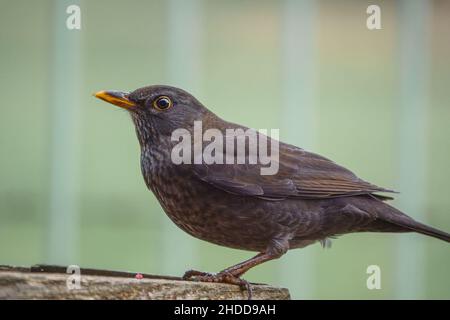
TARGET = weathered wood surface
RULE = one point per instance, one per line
(50, 282)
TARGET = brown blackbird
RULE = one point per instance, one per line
(308, 200)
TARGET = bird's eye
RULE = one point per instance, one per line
(162, 103)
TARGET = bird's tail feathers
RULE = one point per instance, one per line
(398, 218)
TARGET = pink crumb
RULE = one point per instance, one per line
(139, 276)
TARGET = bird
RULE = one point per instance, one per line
(309, 199)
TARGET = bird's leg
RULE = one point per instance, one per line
(232, 274)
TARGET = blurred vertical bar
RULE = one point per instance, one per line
(184, 63)
(64, 109)
(414, 81)
(299, 95)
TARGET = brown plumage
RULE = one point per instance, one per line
(310, 199)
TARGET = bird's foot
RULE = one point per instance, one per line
(221, 277)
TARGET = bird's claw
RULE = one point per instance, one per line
(190, 274)
(221, 277)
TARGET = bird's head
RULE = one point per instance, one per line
(157, 110)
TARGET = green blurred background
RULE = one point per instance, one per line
(71, 190)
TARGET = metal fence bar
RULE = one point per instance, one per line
(414, 76)
(64, 111)
(299, 90)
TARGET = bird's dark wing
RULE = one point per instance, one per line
(301, 174)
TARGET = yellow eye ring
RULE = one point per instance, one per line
(162, 103)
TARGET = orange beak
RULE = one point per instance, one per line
(117, 98)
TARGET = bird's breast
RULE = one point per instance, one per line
(204, 211)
